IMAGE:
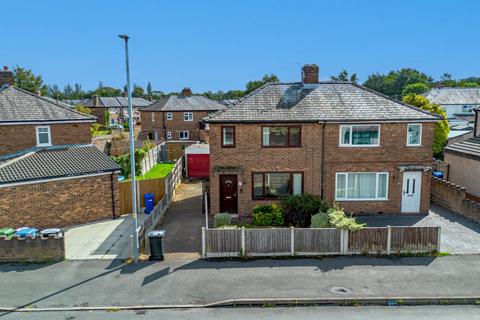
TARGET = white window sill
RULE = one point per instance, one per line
(414, 145)
(359, 146)
(360, 200)
(44, 145)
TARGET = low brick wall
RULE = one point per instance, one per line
(29, 249)
(454, 197)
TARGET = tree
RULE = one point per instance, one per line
(83, 109)
(27, 80)
(138, 91)
(55, 92)
(107, 92)
(416, 88)
(268, 78)
(441, 127)
(343, 76)
(393, 83)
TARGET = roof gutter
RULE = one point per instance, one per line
(13, 123)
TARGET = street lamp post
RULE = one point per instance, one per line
(132, 154)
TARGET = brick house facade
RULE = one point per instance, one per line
(50, 174)
(320, 159)
(177, 117)
(14, 138)
(60, 203)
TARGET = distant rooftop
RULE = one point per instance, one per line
(18, 105)
(459, 96)
(469, 148)
(185, 103)
(115, 102)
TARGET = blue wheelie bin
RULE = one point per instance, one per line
(148, 199)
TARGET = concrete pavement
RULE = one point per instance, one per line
(100, 283)
(306, 313)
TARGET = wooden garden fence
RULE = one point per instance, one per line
(318, 241)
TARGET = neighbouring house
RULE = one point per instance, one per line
(177, 117)
(338, 140)
(111, 108)
(459, 104)
(50, 174)
(463, 159)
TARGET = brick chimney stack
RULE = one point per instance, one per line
(186, 92)
(6, 77)
(310, 75)
(95, 100)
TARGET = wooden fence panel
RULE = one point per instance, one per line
(155, 186)
(414, 239)
(316, 241)
(222, 242)
(368, 240)
(271, 241)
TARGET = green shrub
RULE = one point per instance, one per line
(222, 219)
(339, 220)
(269, 215)
(300, 208)
(320, 220)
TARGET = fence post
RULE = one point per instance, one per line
(389, 239)
(343, 241)
(242, 241)
(439, 238)
(292, 241)
(203, 242)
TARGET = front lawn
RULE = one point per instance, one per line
(101, 133)
(160, 170)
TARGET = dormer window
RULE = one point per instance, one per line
(44, 138)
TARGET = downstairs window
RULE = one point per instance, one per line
(268, 185)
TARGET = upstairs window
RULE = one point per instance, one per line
(360, 135)
(228, 137)
(169, 135)
(414, 134)
(269, 185)
(43, 136)
(188, 116)
(288, 136)
(169, 116)
(153, 116)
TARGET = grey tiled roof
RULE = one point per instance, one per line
(56, 162)
(328, 101)
(469, 148)
(116, 102)
(453, 95)
(182, 103)
(17, 105)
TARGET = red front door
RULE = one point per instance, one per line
(228, 193)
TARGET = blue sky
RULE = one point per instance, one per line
(220, 45)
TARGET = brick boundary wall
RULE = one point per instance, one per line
(454, 197)
(37, 249)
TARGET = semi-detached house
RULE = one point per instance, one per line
(338, 140)
(50, 174)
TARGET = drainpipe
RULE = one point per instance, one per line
(113, 194)
(323, 161)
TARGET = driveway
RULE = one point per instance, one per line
(108, 239)
(183, 223)
(459, 235)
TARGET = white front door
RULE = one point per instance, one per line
(412, 188)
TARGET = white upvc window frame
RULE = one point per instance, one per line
(188, 116)
(153, 116)
(169, 135)
(377, 198)
(185, 138)
(350, 145)
(37, 135)
(169, 116)
(408, 137)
